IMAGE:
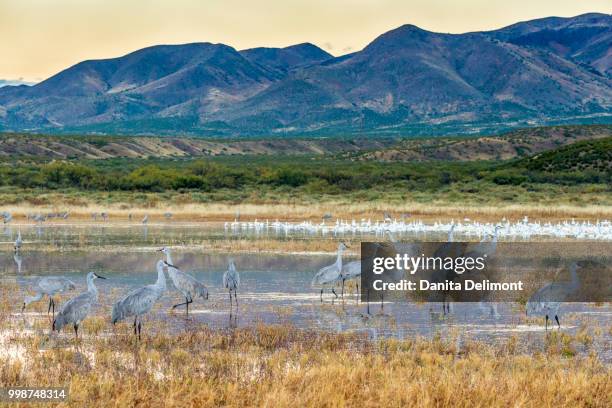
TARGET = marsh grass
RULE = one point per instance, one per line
(298, 210)
(283, 366)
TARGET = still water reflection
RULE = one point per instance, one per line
(275, 288)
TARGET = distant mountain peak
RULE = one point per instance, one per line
(407, 81)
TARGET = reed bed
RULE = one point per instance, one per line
(278, 366)
(298, 210)
(282, 366)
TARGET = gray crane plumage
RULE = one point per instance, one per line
(77, 309)
(231, 281)
(189, 286)
(330, 274)
(18, 242)
(140, 301)
(547, 300)
(50, 286)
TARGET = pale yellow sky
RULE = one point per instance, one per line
(42, 37)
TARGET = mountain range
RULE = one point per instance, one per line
(407, 81)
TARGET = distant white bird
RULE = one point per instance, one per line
(18, 242)
(140, 301)
(189, 286)
(547, 300)
(78, 308)
(168, 215)
(231, 281)
(50, 286)
(329, 275)
(145, 220)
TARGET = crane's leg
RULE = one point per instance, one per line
(321, 295)
(358, 294)
(546, 324)
(368, 299)
(53, 308)
(230, 294)
(382, 301)
(334, 292)
(187, 306)
(185, 303)
(49, 308)
(236, 297)
(342, 289)
(557, 319)
(76, 331)
(139, 330)
(135, 322)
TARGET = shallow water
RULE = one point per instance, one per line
(275, 288)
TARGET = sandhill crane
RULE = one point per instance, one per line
(6, 216)
(547, 299)
(189, 286)
(350, 271)
(77, 308)
(484, 249)
(329, 275)
(18, 242)
(231, 281)
(140, 301)
(17, 258)
(50, 286)
(145, 219)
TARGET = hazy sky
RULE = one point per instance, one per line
(41, 37)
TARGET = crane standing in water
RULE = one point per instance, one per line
(189, 286)
(330, 274)
(231, 281)
(18, 242)
(140, 301)
(50, 286)
(78, 308)
(547, 300)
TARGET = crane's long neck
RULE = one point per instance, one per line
(339, 259)
(35, 298)
(450, 233)
(169, 257)
(91, 287)
(161, 278)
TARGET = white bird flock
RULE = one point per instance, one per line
(524, 229)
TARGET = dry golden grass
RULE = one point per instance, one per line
(313, 211)
(281, 366)
(278, 366)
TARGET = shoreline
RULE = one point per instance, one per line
(191, 214)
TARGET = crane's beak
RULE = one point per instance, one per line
(160, 250)
(99, 277)
(170, 265)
